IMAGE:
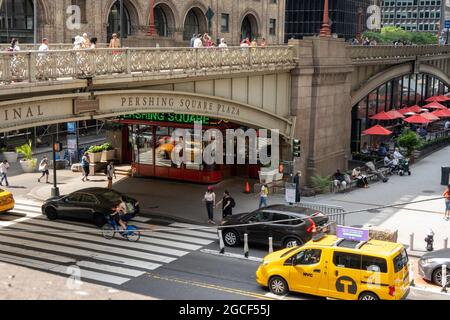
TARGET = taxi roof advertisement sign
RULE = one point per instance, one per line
(353, 234)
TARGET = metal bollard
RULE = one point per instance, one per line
(444, 278)
(270, 245)
(246, 245)
(445, 243)
(411, 242)
(221, 244)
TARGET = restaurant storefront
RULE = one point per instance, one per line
(147, 144)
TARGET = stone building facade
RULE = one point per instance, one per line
(175, 20)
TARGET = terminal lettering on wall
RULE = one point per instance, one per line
(21, 113)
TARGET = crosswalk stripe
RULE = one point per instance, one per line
(46, 225)
(187, 225)
(109, 268)
(82, 253)
(24, 207)
(191, 233)
(28, 202)
(141, 219)
(181, 238)
(26, 213)
(36, 254)
(97, 247)
(85, 274)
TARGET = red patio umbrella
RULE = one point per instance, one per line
(435, 105)
(436, 99)
(396, 114)
(377, 131)
(445, 98)
(415, 109)
(430, 116)
(418, 119)
(442, 113)
(403, 110)
(382, 116)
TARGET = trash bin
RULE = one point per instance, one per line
(445, 179)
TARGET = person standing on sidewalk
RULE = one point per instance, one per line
(210, 200)
(43, 168)
(263, 195)
(4, 166)
(110, 173)
(447, 203)
(228, 204)
(85, 163)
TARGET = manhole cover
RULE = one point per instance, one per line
(374, 211)
(428, 191)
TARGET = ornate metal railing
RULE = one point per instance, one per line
(33, 66)
(366, 53)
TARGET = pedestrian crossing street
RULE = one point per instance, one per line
(77, 249)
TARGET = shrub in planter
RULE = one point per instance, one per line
(108, 153)
(8, 155)
(321, 184)
(409, 141)
(95, 153)
(28, 163)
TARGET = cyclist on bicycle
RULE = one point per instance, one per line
(116, 215)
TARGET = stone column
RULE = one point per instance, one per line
(321, 103)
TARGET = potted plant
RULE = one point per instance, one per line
(95, 154)
(410, 142)
(28, 163)
(108, 153)
(8, 155)
(321, 184)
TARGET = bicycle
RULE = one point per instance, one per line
(110, 229)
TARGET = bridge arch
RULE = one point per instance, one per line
(26, 113)
(394, 72)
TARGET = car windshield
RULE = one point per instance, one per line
(400, 261)
(111, 196)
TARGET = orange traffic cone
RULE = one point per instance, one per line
(247, 187)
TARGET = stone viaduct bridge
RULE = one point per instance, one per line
(306, 89)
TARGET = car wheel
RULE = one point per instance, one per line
(99, 220)
(437, 276)
(231, 238)
(51, 213)
(368, 296)
(278, 286)
(292, 242)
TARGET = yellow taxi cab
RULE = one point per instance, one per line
(6, 201)
(338, 268)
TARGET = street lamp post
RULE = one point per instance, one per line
(325, 30)
(152, 28)
(360, 24)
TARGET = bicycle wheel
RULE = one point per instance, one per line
(108, 231)
(132, 234)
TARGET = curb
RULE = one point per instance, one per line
(426, 290)
(231, 255)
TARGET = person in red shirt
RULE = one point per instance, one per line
(447, 203)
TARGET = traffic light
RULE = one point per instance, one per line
(296, 148)
(58, 147)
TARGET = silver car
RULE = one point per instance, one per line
(430, 266)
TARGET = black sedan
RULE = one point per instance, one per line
(271, 222)
(88, 204)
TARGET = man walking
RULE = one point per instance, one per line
(43, 168)
(210, 200)
(263, 196)
(85, 163)
(110, 173)
(4, 166)
(228, 204)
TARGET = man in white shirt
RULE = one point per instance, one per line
(198, 43)
(43, 49)
(398, 155)
(223, 44)
(4, 166)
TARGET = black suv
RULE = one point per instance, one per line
(262, 224)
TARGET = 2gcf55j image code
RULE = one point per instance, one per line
(224, 311)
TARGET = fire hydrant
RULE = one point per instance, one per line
(429, 240)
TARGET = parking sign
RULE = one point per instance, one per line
(447, 24)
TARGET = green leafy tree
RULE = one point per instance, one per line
(409, 141)
(390, 34)
(26, 150)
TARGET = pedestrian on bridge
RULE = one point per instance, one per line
(4, 166)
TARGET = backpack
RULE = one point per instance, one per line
(233, 203)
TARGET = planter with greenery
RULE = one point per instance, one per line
(321, 184)
(410, 142)
(108, 153)
(426, 147)
(95, 154)
(8, 155)
(28, 163)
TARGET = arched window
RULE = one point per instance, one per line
(249, 27)
(114, 20)
(194, 23)
(161, 23)
(16, 20)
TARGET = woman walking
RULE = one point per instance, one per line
(447, 203)
(43, 168)
(210, 200)
(228, 204)
(85, 163)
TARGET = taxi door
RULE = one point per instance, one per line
(344, 275)
(306, 271)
